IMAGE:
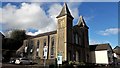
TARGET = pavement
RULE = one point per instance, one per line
(23, 66)
(5, 65)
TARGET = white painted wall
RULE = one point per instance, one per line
(101, 57)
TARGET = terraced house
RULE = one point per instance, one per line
(68, 40)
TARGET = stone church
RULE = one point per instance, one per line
(72, 42)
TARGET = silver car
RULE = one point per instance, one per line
(23, 61)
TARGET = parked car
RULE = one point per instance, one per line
(23, 61)
(12, 61)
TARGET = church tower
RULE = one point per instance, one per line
(84, 30)
(64, 31)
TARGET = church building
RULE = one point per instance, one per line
(71, 42)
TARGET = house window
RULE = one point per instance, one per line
(52, 47)
(37, 48)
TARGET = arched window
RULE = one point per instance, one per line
(52, 47)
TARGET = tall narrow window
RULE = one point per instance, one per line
(76, 38)
(26, 46)
(37, 48)
(44, 42)
(38, 44)
(31, 47)
(44, 48)
(77, 56)
(80, 40)
(52, 47)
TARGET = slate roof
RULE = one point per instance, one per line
(98, 47)
(44, 34)
(117, 50)
(65, 11)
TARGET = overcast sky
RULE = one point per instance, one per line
(40, 17)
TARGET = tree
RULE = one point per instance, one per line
(18, 35)
(10, 45)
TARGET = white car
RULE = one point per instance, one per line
(23, 61)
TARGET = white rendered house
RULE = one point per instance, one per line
(101, 54)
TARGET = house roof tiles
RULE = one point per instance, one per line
(98, 47)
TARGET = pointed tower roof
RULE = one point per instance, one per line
(64, 11)
(81, 22)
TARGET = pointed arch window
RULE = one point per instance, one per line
(52, 47)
